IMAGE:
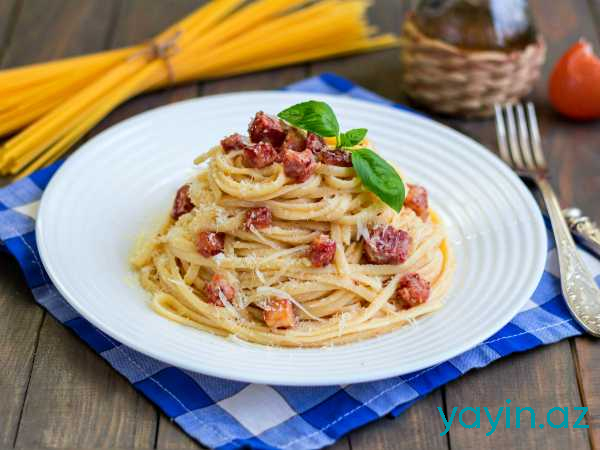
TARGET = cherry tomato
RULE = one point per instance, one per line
(575, 83)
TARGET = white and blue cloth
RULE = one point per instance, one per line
(225, 414)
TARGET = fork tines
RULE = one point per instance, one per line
(519, 137)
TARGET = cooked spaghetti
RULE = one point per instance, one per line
(277, 241)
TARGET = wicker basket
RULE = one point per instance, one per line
(450, 80)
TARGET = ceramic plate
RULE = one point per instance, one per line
(123, 181)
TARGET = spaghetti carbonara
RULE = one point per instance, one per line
(278, 241)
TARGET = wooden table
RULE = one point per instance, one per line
(55, 392)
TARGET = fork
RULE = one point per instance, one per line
(521, 148)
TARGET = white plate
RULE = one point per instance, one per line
(123, 181)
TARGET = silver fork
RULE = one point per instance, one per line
(520, 147)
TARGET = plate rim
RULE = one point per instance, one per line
(358, 376)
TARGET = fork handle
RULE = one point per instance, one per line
(578, 285)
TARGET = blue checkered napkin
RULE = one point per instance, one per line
(228, 415)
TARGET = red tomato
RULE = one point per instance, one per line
(575, 83)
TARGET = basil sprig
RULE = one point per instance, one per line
(352, 137)
(316, 117)
(376, 174)
(379, 177)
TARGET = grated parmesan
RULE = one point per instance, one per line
(260, 276)
(228, 306)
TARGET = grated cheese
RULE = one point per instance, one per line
(260, 276)
(228, 306)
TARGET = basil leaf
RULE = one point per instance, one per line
(379, 177)
(316, 117)
(353, 137)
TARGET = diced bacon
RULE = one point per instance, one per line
(260, 217)
(324, 154)
(234, 142)
(216, 288)
(259, 155)
(182, 203)
(387, 245)
(417, 201)
(412, 290)
(279, 313)
(337, 157)
(322, 251)
(209, 243)
(298, 165)
(294, 140)
(315, 143)
(267, 129)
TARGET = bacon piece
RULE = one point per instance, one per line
(182, 203)
(387, 245)
(324, 154)
(294, 140)
(216, 288)
(279, 313)
(315, 143)
(417, 201)
(266, 128)
(234, 142)
(412, 290)
(322, 251)
(259, 155)
(298, 165)
(337, 157)
(209, 243)
(260, 217)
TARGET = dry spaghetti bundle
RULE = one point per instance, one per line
(56, 103)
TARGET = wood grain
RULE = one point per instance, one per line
(170, 436)
(273, 79)
(51, 29)
(9, 11)
(418, 428)
(20, 320)
(595, 9)
(77, 400)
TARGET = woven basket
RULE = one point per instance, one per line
(450, 80)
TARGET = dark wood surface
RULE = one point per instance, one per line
(55, 392)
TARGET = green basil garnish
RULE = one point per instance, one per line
(316, 117)
(352, 137)
(376, 174)
(379, 177)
